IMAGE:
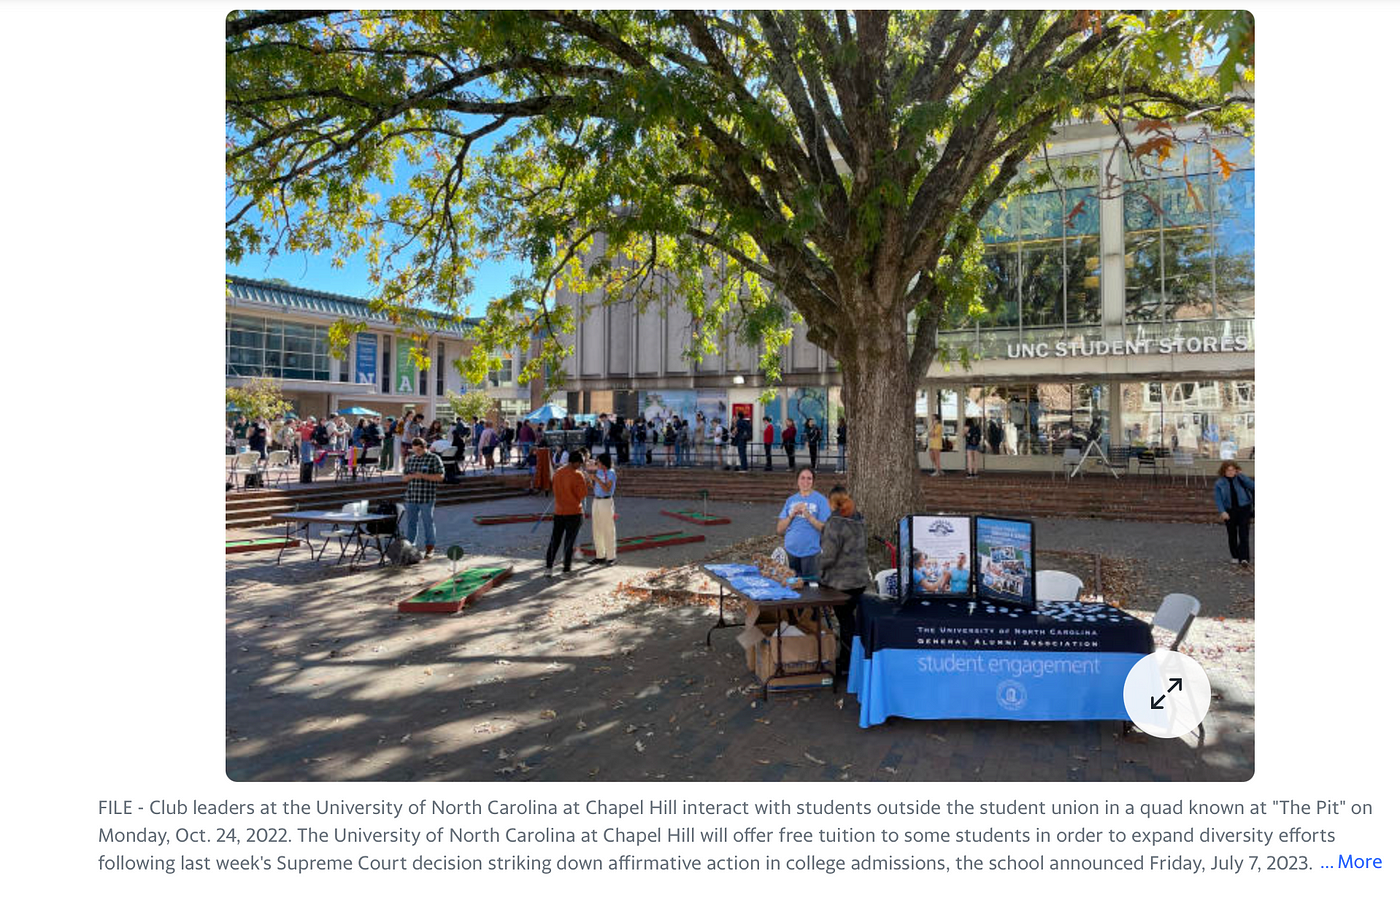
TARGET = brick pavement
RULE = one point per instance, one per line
(564, 681)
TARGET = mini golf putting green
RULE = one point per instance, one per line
(508, 518)
(639, 542)
(697, 517)
(234, 546)
(461, 589)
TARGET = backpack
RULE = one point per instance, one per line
(400, 552)
(383, 527)
(494, 441)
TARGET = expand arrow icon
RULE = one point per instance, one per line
(1175, 684)
(1157, 702)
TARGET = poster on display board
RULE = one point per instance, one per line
(940, 557)
(1005, 560)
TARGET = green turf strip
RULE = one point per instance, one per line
(661, 537)
(463, 584)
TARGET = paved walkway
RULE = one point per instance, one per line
(567, 679)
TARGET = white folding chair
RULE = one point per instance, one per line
(1056, 586)
(245, 465)
(340, 533)
(1175, 614)
(279, 464)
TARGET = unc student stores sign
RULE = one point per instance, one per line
(1164, 346)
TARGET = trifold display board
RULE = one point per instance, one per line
(1005, 560)
(962, 557)
(940, 557)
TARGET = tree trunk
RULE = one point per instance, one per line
(878, 394)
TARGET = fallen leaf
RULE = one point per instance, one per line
(548, 714)
(814, 759)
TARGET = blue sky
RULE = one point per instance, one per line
(306, 270)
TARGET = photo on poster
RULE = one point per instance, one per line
(941, 558)
(1006, 560)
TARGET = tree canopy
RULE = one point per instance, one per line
(746, 165)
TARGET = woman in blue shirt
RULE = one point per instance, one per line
(804, 515)
(928, 578)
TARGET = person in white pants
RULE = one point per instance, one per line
(603, 480)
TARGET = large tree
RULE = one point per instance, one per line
(746, 166)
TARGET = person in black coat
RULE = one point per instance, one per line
(813, 436)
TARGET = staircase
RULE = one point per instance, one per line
(247, 508)
(1141, 499)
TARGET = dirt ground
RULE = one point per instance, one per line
(575, 678)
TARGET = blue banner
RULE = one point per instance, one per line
(1007, 685)
(366, 359)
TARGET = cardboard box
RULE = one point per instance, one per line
(799, 653)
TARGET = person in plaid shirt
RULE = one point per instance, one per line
(423, 471)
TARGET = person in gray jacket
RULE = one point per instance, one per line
(842, 566)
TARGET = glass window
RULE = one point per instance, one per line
(1042, 251)
(441, 361)
(1051, 420)
(1234, 243)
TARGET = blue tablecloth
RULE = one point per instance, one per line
(952, 659)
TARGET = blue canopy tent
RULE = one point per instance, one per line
(546, 413)
(358, 412)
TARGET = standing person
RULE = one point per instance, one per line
(287, 436)
(240, 431)
(487, 445)
(422, 471)
(813, 436)
(357, 435)
(767, 444)
(1234, 500)
(544, 470)
(387, 452)
(995, 435)
(527, 442)
(841, 445)
(668, 438)
(717, 440)
(804, 516)
(507, 436)
(790, 443)
(569, 491)
(972, 444)
(935, 445)
(682, 441)
(639, 442)
(603, 480)
(401, 438)
(653, 438)
(478, 424)
(842, 566)
(743, 434)
(257, 439)
(590, 437)
(308, 450)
